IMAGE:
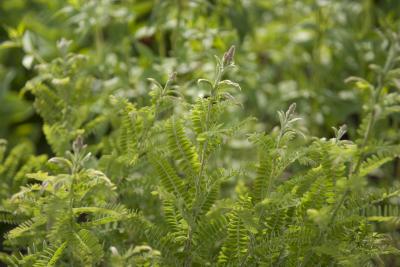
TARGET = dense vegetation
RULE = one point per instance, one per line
(199, 133)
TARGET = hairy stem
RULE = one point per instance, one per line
(203, 161)
(212, 98)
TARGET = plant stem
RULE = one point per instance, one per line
(156, 114)
(354, 172)
(178, 28)
(74, 171)
(220, 71)
(188, 245)
(99, 40)
(188, 248)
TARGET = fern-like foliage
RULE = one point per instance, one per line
(64, 209)
(87, 247)
(50, 256)
(235, 248)
(61, 98)
(129, 131)
(15, 164)
(169, 178)
(170, 182)
(181, 148)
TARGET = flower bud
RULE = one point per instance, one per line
(172, 76)
(228, 56)
(78, 144)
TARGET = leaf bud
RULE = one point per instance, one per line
(228, 56)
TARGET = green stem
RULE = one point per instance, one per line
(178, 28)
(76, 166)
(188, 245)
(220, 72)
(188, 248)
(99, 40)
(156, 114)
(368, 132)
(71, 212)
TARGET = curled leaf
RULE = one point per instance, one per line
(205, 82)
(155, 83)
(229, 84)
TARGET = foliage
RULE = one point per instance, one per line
(106, 166)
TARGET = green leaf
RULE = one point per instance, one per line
(227, 84)
(50, 256)
(208, 84)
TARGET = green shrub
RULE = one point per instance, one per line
(174, 198)
(168, 171)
